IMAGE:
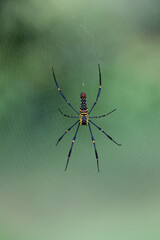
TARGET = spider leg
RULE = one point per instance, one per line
(66, 132)
(70, 151)
(67, 115)
(105, 133)
(99, 90)
(61, 92)
(104, 114)
(94, 146)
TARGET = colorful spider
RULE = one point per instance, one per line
(84, 118)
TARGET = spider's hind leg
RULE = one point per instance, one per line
(62, 93)
(99, 89)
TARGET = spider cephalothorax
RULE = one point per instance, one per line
(84, 118)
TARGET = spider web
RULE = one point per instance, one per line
(73, 37)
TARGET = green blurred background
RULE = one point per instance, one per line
(38, 200)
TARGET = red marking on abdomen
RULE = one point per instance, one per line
(83, 95)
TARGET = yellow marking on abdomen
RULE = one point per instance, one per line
(59, 89)
(72, 141)
(93, 141)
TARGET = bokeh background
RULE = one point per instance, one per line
(38, 200)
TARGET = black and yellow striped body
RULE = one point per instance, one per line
(83, 111)
(83, 118)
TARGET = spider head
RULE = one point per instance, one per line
(83, 95)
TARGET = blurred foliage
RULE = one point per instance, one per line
(74, 36)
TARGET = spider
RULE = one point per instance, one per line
(83, 118)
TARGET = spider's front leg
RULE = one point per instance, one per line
(66, 132)
(70, 151)
(105, 133)
(93, 140)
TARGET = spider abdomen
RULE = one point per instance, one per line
(83, 110)
(83, 104)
